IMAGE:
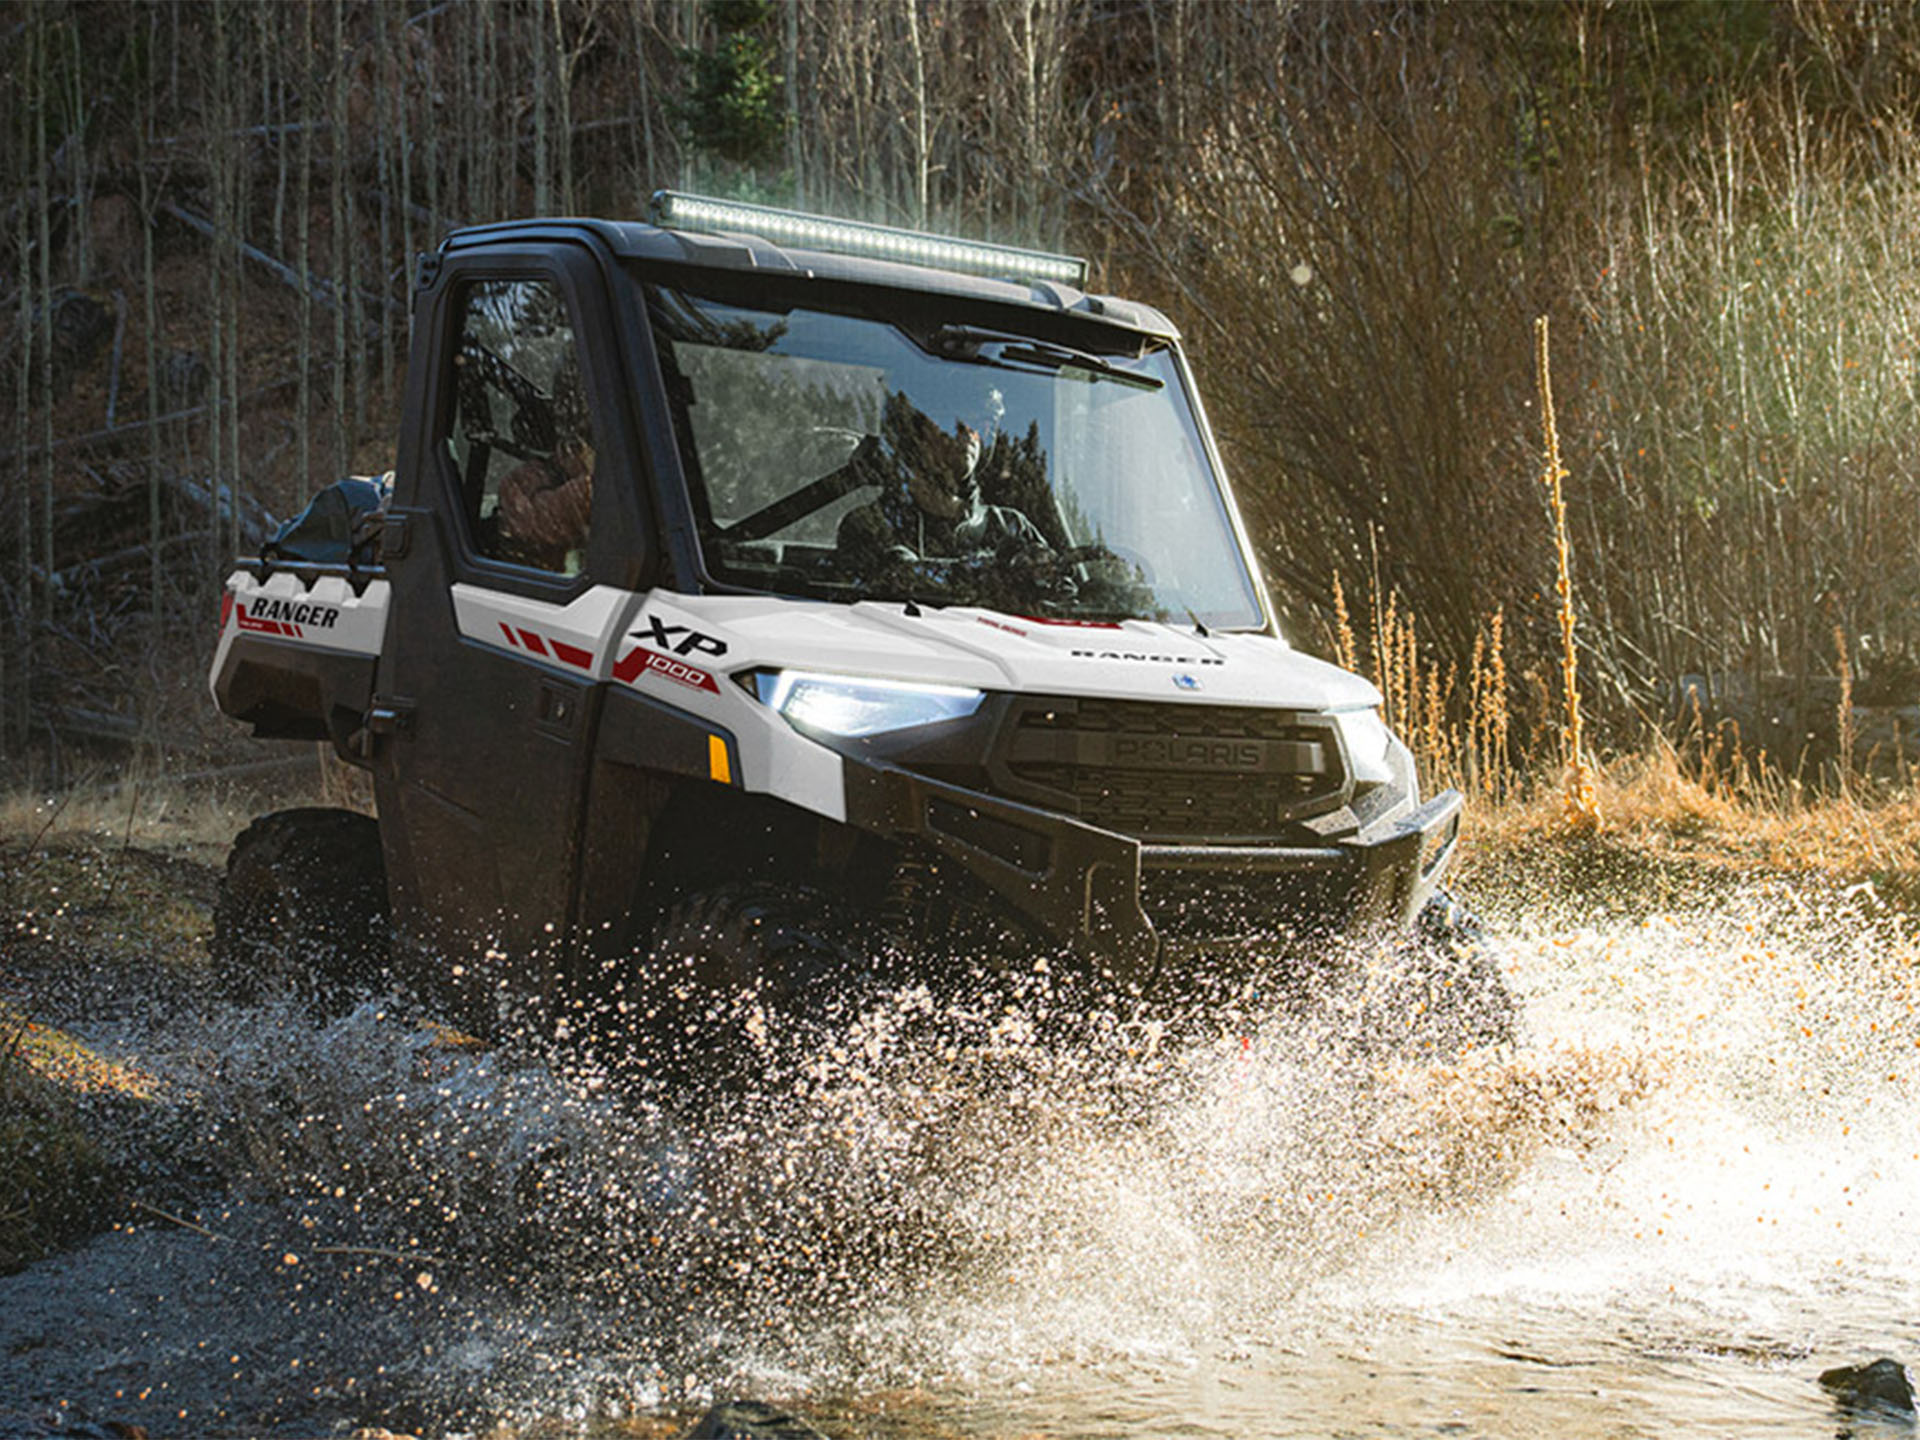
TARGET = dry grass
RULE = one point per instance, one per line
(1672, 812)
(196, 818)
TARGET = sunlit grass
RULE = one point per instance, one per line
(113, 898)
(54, 1178)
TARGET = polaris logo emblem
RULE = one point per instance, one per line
(1171, 752)
(1185, 682)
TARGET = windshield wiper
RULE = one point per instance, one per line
(1015, 352)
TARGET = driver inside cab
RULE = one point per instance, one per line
(930, 508)
(546, 503)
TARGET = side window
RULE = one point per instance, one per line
(520, 437)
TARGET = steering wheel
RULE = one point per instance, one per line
(531, 427)
(1083, 554)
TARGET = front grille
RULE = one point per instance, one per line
(1224, 906)
(1193, 774)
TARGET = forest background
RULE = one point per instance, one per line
(1356, 211)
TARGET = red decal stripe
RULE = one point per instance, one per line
(572, 654)
(263, 627)
(1074, 624)
(267, 627)
(533, 642)
(507, 631)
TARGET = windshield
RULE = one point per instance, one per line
(849, 458)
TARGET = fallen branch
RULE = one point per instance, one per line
(408, 1256)
(183, 1224)
(327, 292)
(247, 770)
(140, 427)
(65, 579)
(431, 219)
(94, 724)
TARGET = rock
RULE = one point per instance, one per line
(1883, 1382)
(750, 1420)
(184, 379)
(117, 227)
(82, 325)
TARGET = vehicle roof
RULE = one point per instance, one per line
(635, 240)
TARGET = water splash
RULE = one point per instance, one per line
(1689, 1187)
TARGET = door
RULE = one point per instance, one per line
(511, 553)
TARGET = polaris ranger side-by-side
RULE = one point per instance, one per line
(751, 581)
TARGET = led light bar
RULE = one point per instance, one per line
(674, 211)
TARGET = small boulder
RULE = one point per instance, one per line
(1883, 1382)
(750, 1420)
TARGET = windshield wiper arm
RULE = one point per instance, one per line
(960, 342)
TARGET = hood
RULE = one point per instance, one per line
(1131, 659)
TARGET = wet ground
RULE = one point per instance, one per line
(1693, 1186)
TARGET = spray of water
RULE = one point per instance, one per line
(1691, 1180)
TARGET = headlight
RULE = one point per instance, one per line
(844, 705)
(1368, 743)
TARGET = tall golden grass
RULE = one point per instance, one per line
(1583, 806)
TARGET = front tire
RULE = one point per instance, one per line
(303, 910)
(1440, 993)
(740, 981)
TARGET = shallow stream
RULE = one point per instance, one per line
(1695, 1186)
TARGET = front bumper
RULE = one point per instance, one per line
(1131, 909)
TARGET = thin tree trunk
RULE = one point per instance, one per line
(354, 303)
(337, 421)
(42, 170)
(919, 114)
(565, 59)
(282, 69)
(143, 124)
(542, 86)
(501, 162)
(303, 417)
(241, 209)
(385, 85)
(794, 144)
(217, 145)
(690, 38)
(22, 693)
(432, 148)
(646, 163)
(403, 141)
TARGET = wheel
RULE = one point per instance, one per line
(303, 909)
(1441, 992)
(742, 980)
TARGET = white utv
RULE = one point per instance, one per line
(759, 595)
